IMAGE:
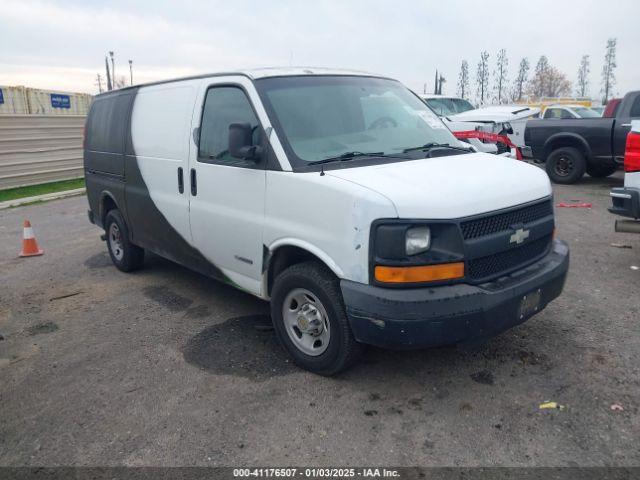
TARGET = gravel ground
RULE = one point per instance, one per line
(166, 367)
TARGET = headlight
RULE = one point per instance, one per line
(408, 252)
(417, 240)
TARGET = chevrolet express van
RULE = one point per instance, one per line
(339, 197)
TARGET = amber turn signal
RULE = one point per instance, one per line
(423, 273)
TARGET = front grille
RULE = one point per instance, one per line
(493, 265)
(500, 222)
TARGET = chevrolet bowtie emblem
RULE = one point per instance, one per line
(519, 236)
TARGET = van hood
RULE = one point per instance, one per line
(451, 187)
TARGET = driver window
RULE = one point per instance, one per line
(566, 114)
(222, 107)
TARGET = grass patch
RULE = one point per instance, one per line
(41, 189)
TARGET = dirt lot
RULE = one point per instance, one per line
(165, 367)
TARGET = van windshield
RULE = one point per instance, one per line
(323, 117)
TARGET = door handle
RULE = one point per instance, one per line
(194, 183)
(180, 180)
(625, 125)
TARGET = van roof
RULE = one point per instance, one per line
(257, 73)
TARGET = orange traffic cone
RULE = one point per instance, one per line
(29, 245)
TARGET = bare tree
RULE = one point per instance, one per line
(608, 76)
(537, 86)
(582, 85)
(548, 81)
(521, 79)
(120, 82)
(463, 80)
(557, 84)
(99, 83)
(500, 75)
(482, 78)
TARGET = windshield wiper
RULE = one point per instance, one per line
(350, 156)
(428, 146)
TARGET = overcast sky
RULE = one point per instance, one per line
(61, 44)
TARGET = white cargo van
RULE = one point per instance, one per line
(340, 197)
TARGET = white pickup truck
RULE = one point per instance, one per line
(497, 129)
(340, 197)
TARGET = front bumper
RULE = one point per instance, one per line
(626, 202)
(452, 314)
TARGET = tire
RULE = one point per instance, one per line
(566, 165)
(126, 256)
(600, 170)
(303, 289)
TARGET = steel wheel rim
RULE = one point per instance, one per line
(306, 322)
(115, 241)
(564, 166)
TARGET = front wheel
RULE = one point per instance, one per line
(309, 318)
(565, 165)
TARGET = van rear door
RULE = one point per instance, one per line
(156, 160)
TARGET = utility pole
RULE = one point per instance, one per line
(99, 83)
(441, 80)
(435, 85)
(106, 65)
(131, 71)
(113, 70)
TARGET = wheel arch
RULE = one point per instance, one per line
(287, 252)
(107, 203)
(565, 139)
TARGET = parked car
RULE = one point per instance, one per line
(508, 120)
(479, 135)
(626, 200)
(571, 147)
(339, 197)
(495, 129)
(570, 111)
(545, 102)
(444, 106)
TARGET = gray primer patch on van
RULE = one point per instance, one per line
(148, 227)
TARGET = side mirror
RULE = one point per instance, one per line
(241, 142)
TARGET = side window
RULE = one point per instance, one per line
(635, 108)
(566, 114)
(550, 113)
(106, 124)
(222, 107)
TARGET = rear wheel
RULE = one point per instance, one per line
(600, 170)
(125, 255)
(566, 165)
(310, 321)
